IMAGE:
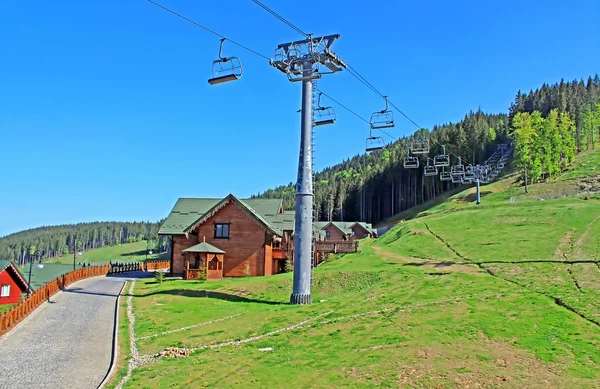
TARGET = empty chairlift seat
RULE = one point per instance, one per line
(411, 162)
(382, 119)
(225, 69)
(429, 169)
(445, 176)
(374, 143)
(420, 147)
(323, 115)
(441, 160)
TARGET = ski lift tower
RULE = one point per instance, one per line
(301, 61)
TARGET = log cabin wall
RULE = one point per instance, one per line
(245, 243)
(359, 232)
(269, 260)
(334, 233)
(180, 243)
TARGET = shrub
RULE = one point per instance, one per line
(289, 266)
(202, 273)
(247, 269)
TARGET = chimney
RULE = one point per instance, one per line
(204, 238)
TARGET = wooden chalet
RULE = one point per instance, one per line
(335, 230)
(12, 283)
(233, 237)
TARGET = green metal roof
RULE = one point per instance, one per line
(204, 247)
(187, 211)
(46, 274)
(4, 265)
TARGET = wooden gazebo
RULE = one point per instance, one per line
(203, 257)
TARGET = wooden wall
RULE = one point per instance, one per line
(180, 243)
(359, 232)
(268, 260)
(15, 290)
(334, 233)
(246, 243)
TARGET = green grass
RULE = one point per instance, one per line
(128, 252)
(459, 296)
(5, 307)
(586, 164)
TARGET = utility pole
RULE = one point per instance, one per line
(74, 252)
(301, 61)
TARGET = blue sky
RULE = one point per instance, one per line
(106, 113)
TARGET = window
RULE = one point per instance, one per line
(222, 230)
(5, 291)
(327, 234)
(353, 233)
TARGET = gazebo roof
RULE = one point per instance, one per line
(203, 247)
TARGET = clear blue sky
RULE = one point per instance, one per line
(106, 113)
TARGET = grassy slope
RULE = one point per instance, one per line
(456, 311)
(129, 252)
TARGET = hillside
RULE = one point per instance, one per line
(127, 252)
(52, 242)
(375, 186)
(505, 294)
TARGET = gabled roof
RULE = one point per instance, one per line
(343, 227)
(204, 247)
(189, 212)
(15, 273)
(366, 226)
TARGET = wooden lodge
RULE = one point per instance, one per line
(231, 237)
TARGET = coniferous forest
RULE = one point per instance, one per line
(43, 243)
(373, 187)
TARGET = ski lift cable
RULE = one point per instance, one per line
(275, 14)
(354, 113)
(363, 80)
(343, 106)
(209, 30)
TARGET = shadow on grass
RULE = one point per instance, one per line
(434, 264)
(210, 294)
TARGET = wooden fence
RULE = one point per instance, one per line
(21, 310)
(334, 246)
(157, 264)
(125, 267)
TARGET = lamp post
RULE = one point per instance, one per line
(40, 266)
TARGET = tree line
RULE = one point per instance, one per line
(49, 242)
(373, 187)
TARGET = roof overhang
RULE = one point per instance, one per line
(18, 277)
(220, 205)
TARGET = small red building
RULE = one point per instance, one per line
(12, 283)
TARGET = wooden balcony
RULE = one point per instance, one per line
(337, 246)
(280, 254)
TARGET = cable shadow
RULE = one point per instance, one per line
(212, 295)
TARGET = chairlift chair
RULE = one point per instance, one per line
(382, 119)
(324, 115)
(420, 146)
(456, 180)
(442, 160)
(225, 69)
(457, 171)
(445, 176)
(374, 143)
(429, 170)
(411, 162)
